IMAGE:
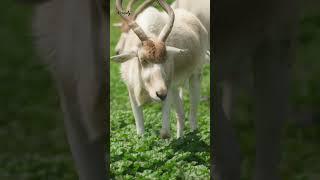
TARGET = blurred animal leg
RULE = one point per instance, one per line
(226, 148)
(89, 155)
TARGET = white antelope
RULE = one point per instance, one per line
(163, 52)
(200, 8)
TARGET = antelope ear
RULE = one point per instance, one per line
(176, 51)
(117, 24)
(123, 57)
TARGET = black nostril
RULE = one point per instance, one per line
(117, 52)
(161, 96)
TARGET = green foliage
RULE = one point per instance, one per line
(149, 157)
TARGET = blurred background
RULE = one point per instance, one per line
(32, 138)
(301, 145)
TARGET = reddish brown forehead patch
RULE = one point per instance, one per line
(154, 51)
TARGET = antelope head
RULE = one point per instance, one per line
(124, 26)
(152, 54)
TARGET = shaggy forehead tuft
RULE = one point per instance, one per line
(155, 52)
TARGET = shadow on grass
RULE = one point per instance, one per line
(191, 142)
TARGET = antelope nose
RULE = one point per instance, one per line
(162, 95)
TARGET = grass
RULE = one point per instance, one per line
(150, 157)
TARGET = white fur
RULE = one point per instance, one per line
(200, 8)
(187, 33)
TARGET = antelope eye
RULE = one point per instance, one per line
(144, 62)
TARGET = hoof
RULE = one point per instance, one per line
(164, 134)
(140, 132)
